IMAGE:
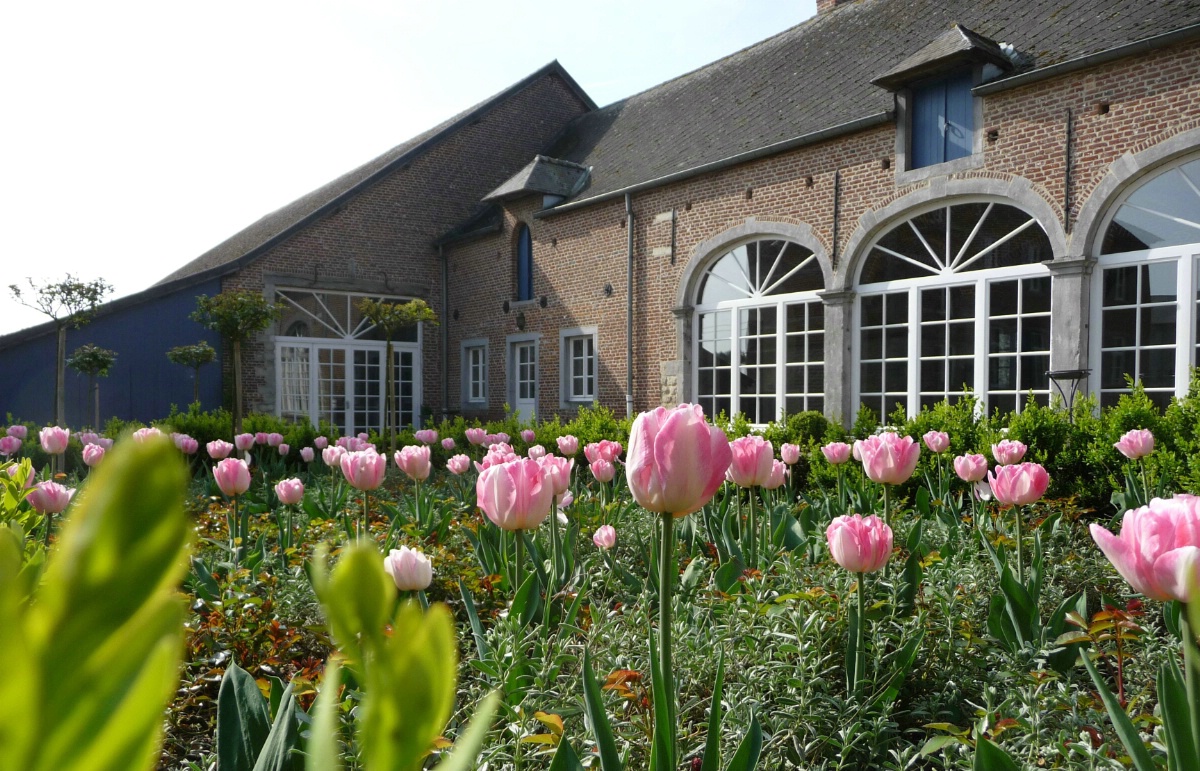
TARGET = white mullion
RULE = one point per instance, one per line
(971, 238)
(983, 310)
(787, 275)
(314, 389)
(1164, 215)
(774, 265)
(928, 248)
(998, 243)
(735, 363)
(1184, 326)
(914, 351)
(899, 256)
(781, 363)
(946, 257)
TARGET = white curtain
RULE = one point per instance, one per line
(294, 381)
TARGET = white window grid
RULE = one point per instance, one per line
(581, 368)
(475, 373)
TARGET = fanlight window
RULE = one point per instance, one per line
(1145, 309)
(956, 298)
(760, 332)
(330, 362)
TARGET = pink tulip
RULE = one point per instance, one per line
(458, 465)
(321, 442)
(12, 473)
(778, 475)
(837, 453)
(676, 460)
(476, 435)
(970, 468)
(500, 438)
(1137, 443)
(180, 441)
(983, 491)
(858, 544)
(789, 453)
(856, 450)
(105, 442)
(18, 430)
(284, 449)
(605, 537)
(9, 445)
(515, 495)
(937, 441)
(565, 500)
(92, 455)
(54, 439)
(144, 434)
(219, 449)
(260, 437)
(889, 458)
(409, 568)
(558, 471)
(497, 454)
(289, 491)
(752, 459)
(233, 476)
(1019, 484)
(364, 469)
(87, 437)
(332, 455)
(363, 436)
(536, 451)
(307, 454)
(273, 440)
(604, 449)
(1008, 452)
(426, 436)
(188, 445)
(447, 444)
(50, 497)
(603, 470)
(1158, 550)
(528, 435)
(568, 445)
(243, 442)
(414, 461)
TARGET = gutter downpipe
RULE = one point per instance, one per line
(629, 306)
(445, 332)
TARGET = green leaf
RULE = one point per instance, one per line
(466, 750)
(937, 744)
(1172, 697)
(527, 601)
(107, 605)
(356, 598)
(903, 664)
(481, 645)
(712, 742)
(606, 745)
(1125, 728)
(243, 723)
(565, 758)
(989, 757)
(726, 576)
(1020, 606)
(851, 663)
(664, 724)
(322, 749)
(746, 757)
(910, 584)
(279, 752)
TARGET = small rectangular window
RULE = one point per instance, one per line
(578, 350)
(475, 373)
(942, 127)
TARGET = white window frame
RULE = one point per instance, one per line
(510, 368)
(981, 279)
(468, 348)
(567, 398)
(350, 342)
(734, 307)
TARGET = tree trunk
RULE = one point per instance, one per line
(196, 385)
(389, 417)
(95, 405)
(237, 387)
(60, 379)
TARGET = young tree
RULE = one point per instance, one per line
(69, 303)
(95, 362)
(392, 318)
(236, 316)
(194, 356)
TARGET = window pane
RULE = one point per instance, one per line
(1120, 286)
(1158, 368)
(1004, 298)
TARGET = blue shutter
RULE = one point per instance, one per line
(929, 104)
(524, 264)
(960, 117)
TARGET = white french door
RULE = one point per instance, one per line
(523, 375)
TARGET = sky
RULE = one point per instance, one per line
(138, 135)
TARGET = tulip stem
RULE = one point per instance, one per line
(234, 528)
(666, 580)
(1145, 485)
(553, 548)
(1191, 661)
(860, 653)
(753, 528)
(1020, 548)
(518, 566)
(887, 520)
(49, 519)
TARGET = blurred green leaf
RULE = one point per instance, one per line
(243, 723)
(322, 748)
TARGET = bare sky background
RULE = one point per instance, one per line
(137, 135)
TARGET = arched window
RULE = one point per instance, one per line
(955, 298)
(760, 332)
(524, 263)
(1143, 305)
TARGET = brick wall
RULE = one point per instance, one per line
(383, 237)
(577, 253)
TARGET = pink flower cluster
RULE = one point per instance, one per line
(1158, 549)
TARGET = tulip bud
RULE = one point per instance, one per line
(413, 460)
(448, 444)
(858, 544)
(232, 476)
(837, 453)
(605, 537)
(50, 497)
(364, 469)
(458, 465)
(676, 461)
(568, 445)
(409, 568)
(289, 491)
(1137, 443)
(307, 454)
(789, 453)
(92, 455)
(54, 440)
(244, 442)
(937, 441)
(321, 442)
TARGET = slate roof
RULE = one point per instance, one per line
(817, 75)
(550, 176)
(253, 240)
(957, 44)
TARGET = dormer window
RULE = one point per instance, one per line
(942, 127)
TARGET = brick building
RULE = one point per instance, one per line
(886, 204)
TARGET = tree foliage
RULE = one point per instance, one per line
(69, 302)
(393, 317)
(235, 315)
(194, 356)
(92, 360)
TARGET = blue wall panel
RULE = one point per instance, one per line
(142, 385)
